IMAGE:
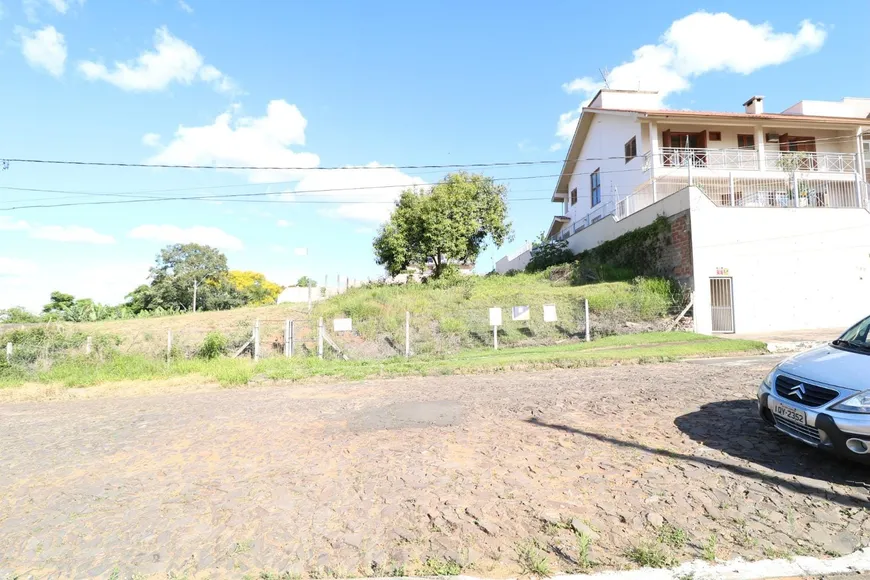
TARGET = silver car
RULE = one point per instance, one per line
(822, 396)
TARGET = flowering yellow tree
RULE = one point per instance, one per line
(254, 287)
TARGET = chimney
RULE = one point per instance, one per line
(754, 106)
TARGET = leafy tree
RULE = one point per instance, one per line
(305, 281)
(18, 315)
(59, 303)
(448, 224)
(253, 287)
(546, 253)
(177, 267)
(142, 299)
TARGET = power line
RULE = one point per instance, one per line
(343, 167)
(267, 193)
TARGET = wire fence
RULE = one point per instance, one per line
(367, 337)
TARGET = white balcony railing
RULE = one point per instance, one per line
(810, 161)
(748, 159)
(602, 211)
(710, 158)
(769, 192)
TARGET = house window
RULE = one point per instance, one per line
(595, 182)
(715, 135)
(631, 149)
(573, 196)
(746, 141)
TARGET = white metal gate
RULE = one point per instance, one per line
(722, 304)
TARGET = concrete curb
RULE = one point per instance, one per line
(793, 347)
(738, 569)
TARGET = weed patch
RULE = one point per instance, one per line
(532, 560)
(651, 556)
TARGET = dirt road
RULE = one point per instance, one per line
(331, 480)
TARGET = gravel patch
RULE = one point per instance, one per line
(335, 479)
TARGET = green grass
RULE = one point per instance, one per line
(584, 543)
(651, 556)
(672, 536)
(708, 551)
(439, 567)
(637, 348)
(532, 561)
(449, 319)
(652, 347)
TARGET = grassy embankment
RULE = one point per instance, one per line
(450, 334)
(638, 348)
(449, 319)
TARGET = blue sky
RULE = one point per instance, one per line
(309, 84)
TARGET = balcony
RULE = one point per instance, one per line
(750, 160)
(757, 191)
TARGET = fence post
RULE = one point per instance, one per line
(586, 317)
(407, 334)
(88, 345)
(320, 338)
(858, 188)
(794, 188)
(309, 296)
(689, 168)
(495, 337)
(731, 187)
(168, 345)
(8, 352)
(287, 338)
(257, 340)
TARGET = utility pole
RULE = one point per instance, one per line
(194, 294)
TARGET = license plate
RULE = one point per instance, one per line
(789, 413)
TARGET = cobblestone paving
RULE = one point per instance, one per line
(335, 479)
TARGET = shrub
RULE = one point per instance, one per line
(213, 346)
(546, 253)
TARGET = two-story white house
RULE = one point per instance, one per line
(769, 212)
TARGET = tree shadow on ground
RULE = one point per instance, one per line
(734, 427)
(753, 432)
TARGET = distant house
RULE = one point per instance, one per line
(769, 212)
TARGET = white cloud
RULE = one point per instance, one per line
(56, 233)
(364, 230)
(282, 224)
(300, 251)
(106, 282)
(8, 224)
(45, 48)
(245, 141)
(16, 267)
(185, 6)
(172, 60)
(151, 139)
(695, 45)
(278, 249)
(385, 184)
(70, 234)
(60, 5)
(33, 7)
(209, 236)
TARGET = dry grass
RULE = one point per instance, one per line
(203, 322)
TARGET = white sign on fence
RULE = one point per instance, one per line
(520, 312)
(495, 316)
(342, 325)
(550, 313)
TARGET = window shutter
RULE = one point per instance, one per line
(666, 138)
(702, 139)
(783, 142)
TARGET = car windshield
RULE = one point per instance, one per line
(857, 335)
